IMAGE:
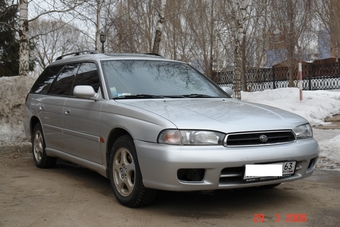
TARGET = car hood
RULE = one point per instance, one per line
(225, 115)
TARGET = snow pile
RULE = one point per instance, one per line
(315, 105)
(329, 142)
(12, 98)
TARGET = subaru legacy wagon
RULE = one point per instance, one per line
(148, 123)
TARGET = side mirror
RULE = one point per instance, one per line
(85, 92)
(228, 90)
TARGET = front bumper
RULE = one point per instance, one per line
(223, 166)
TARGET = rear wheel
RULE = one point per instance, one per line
(38, 149)
(125, 175)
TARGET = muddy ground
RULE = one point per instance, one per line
(69, 195)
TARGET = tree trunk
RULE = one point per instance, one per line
(159, 27)
(240, 13)
(23, 39)
(237, 70)
(244, 79)
(97, 40)
(291, 43)
(212, 37)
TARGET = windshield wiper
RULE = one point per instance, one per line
(174, 96)
(140, 96)
(197, 96)
(148, 96)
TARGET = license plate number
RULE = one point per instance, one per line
(255, 172)
(288, 168)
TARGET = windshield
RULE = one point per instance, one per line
(157, 79)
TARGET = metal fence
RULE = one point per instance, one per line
(314, 77)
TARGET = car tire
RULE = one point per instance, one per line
(125, 175)
(40, 157)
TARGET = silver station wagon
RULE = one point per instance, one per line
(148, 123)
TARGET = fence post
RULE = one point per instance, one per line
(310, 71)
(273, 73)
(300, 79)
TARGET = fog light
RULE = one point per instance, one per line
(190, 174)
(312, 163)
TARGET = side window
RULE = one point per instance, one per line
(43, 83)
(88, 75)
(63, 84)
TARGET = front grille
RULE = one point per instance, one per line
(259, 138)
(232, 175)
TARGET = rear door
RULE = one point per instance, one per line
(48, 108)
(52, 107)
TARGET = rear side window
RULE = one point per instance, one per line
(63, 84)
(88, 75)
(43, 83)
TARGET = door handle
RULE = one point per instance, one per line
(67, 112)
(41, 108)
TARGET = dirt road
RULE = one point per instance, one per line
(72, 196)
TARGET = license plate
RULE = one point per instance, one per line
(255, 172)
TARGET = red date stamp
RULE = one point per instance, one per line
(258, 217)
(289, 218)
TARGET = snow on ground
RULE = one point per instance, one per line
(329, 142)
(315, 107)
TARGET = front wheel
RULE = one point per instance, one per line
(38, 149)
(125, 175)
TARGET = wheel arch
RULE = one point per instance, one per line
(34, 121)
(113, 136)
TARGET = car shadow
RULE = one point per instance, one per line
(210, 203)
(197, 203)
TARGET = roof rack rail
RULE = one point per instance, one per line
(154, 54)
(77, 53)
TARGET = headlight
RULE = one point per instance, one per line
(303, 131)
(190, 137)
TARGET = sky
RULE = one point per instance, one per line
(315, 107)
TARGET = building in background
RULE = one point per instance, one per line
(276, 51)
(324, 47)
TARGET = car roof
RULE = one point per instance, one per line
(90, 55)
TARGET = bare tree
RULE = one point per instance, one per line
(328, 16)
(290, 21)
(23, 36)
(256, 46)
(178, 34)
(235, 16)
(202, 24)
(159, 27)
(53, 8)
(239, 11)
(133, 26)
(53, 38)
(94, 17)
(122, 30)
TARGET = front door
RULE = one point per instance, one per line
(81, 117)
